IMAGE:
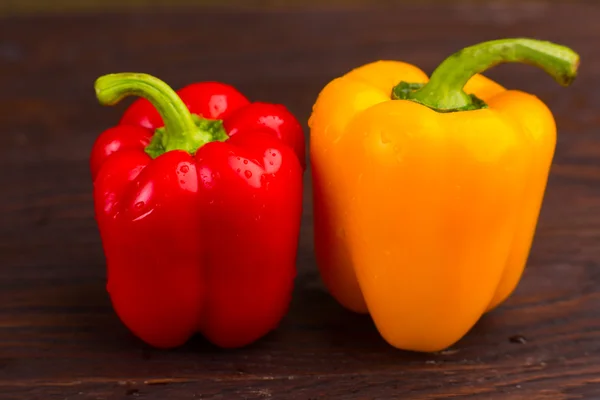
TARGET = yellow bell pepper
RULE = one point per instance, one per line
(427, 191)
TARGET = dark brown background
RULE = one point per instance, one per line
(59, 338)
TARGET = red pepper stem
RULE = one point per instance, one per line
(181, 131)
(444, 91)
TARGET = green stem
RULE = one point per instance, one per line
(444, 91)
(182, 131)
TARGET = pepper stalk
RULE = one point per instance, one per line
(182, 129)
(444, 91)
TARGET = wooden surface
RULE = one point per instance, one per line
(24, 7)
(59, 338)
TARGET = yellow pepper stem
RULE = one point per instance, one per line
(444, 91)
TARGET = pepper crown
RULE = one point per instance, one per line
(182, 130)
(444, 91)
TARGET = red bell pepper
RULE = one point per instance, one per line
(198, 200)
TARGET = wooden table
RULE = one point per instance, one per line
(60, 339)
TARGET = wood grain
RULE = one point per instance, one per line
(59, 337)
(27, 7)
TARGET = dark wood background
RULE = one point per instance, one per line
(59, 338)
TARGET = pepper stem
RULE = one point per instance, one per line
(182, 130)
(444, 91)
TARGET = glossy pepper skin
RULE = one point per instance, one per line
(426, 198)
(199, 216)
